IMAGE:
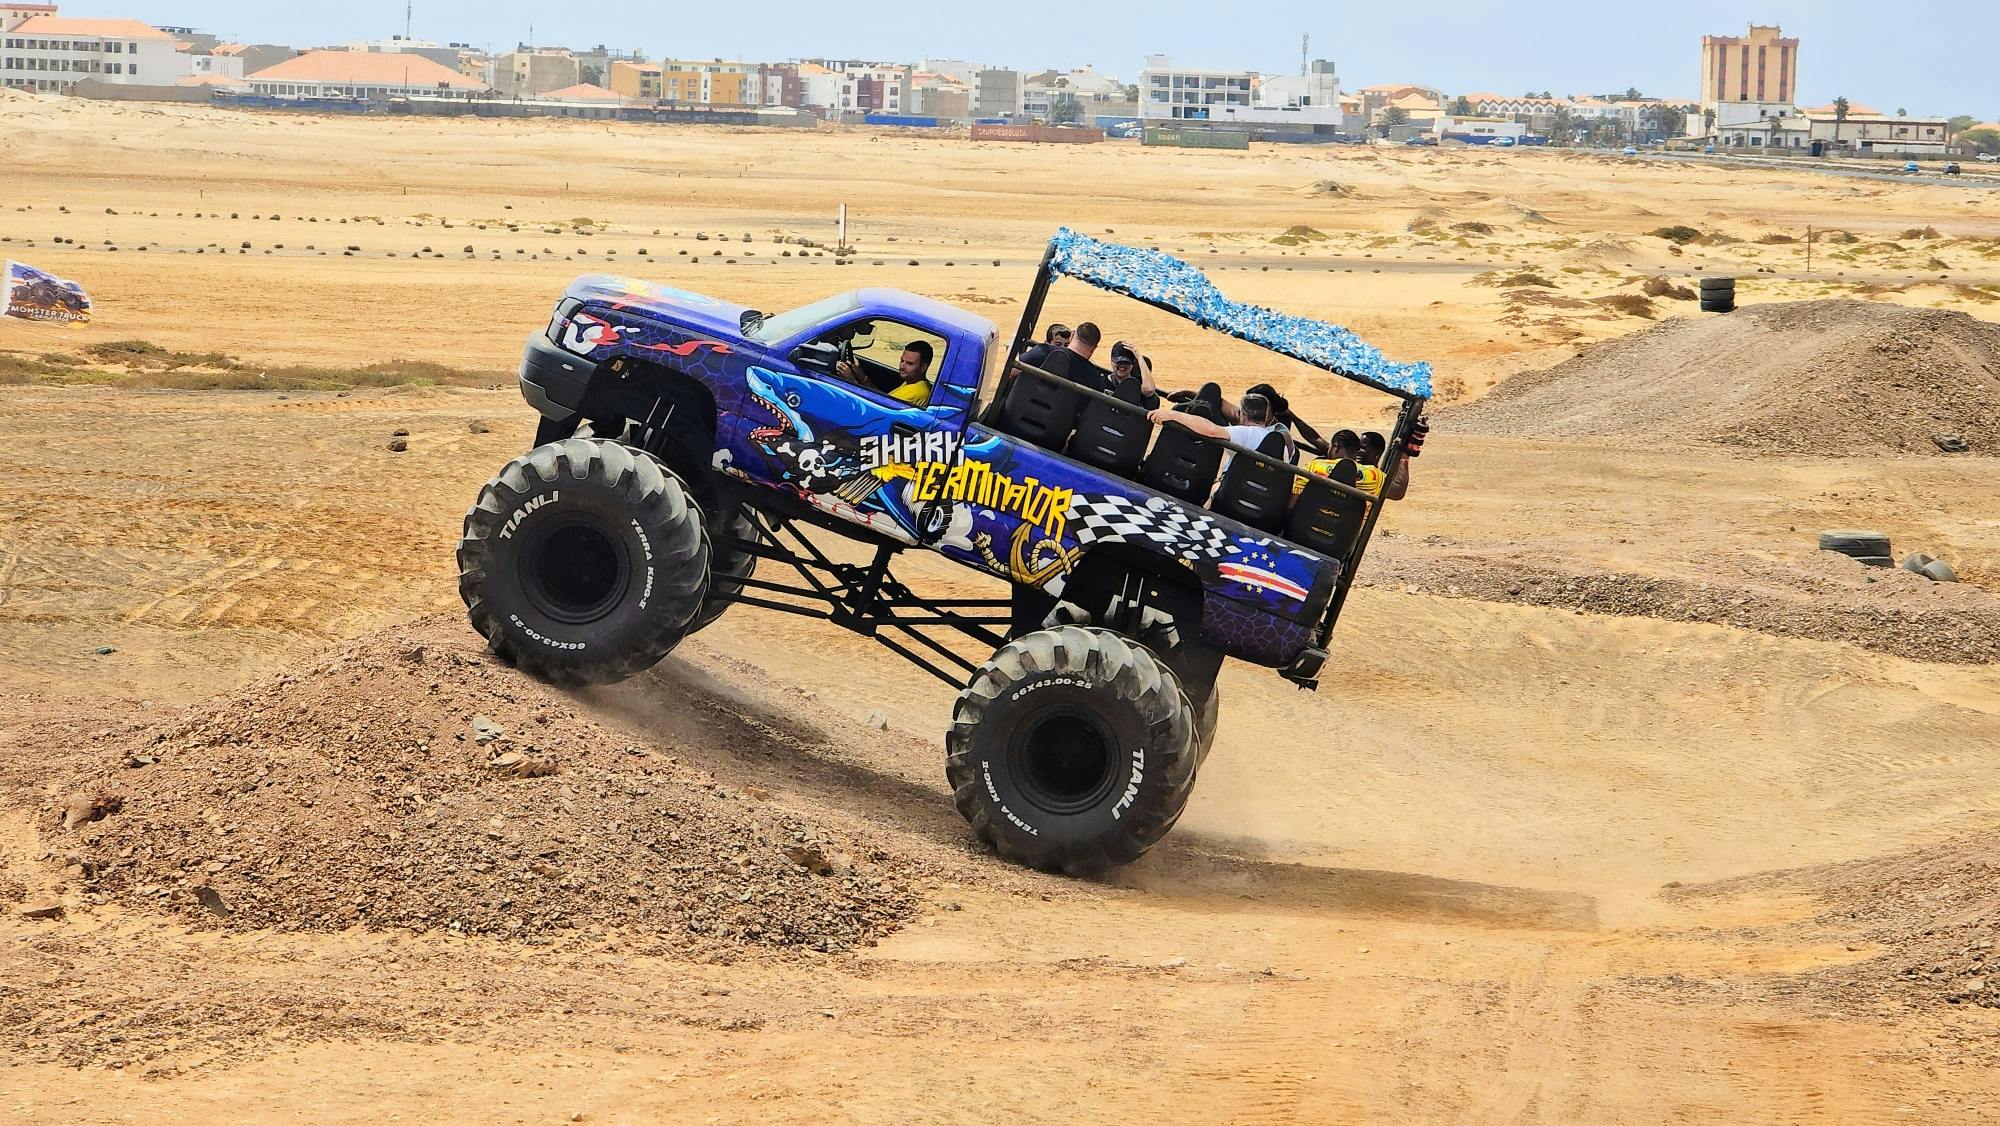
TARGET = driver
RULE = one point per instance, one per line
(915, 368)
(912, 371)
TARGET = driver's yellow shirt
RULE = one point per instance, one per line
(916, 392)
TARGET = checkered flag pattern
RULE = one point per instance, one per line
(1176, 530)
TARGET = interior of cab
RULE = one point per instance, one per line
(867, 352)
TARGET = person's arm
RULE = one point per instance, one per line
(1193, 422)
(1398, 483)
(1147, 387)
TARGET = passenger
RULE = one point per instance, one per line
(1255, 420)
(1128, 365)
(1056, 337)
(1206, 402)
(1072, 361)
(1373, 446)
(1345, 445)
(915, 368)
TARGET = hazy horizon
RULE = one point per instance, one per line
(1457, 45)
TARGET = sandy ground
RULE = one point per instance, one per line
(1430, 891)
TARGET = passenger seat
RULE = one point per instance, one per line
(1183, 464)
(1112, 439)
(1325, 519)
(1039, 410)
(1253, 491)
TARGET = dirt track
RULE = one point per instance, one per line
(1436, 890)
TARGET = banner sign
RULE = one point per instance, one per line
(33, 295)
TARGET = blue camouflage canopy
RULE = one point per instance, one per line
(1163, 280)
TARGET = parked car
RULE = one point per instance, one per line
(1630, 151)
(1989, 157)
(1709, 149)
(1951, 169)
(1912, 166)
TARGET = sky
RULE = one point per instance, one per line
(1920, 55)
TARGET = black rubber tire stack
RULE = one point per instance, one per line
(1072, 750)
(1871, 548)
(1718, 295)
(583, 562)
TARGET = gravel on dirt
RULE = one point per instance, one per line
(1817, 596)
(409, 780)
(1831, 377)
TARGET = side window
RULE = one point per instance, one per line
(891, 358)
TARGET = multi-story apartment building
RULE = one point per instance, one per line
(1179, 93)
(52, 53)
(998, 92)
(527, 72)
(1761, 67)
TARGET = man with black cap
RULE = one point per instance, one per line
(1128, 365)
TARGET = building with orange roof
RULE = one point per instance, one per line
(360, 74)
(582, 92)
(52, 53)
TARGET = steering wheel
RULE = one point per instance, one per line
(844, 357)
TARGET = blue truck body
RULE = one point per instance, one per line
(935, 477)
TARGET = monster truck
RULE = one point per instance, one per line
(684, 440)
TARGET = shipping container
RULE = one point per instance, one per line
(1040, 134)
(903, 120)
(1176, 137)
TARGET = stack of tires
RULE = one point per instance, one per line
(1718, 295)
(1871, 548)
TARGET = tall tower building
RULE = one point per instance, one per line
(1762, 66)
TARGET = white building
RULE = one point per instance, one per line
(201, 63)
(1169, 92)
(52, 53)
(819, 86)
(1479, 130)
(951, 68)
(1303, 103)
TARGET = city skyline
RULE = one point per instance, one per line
(1563, 46)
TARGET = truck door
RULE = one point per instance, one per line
(854, 424)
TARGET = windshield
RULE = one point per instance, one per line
(784, 326)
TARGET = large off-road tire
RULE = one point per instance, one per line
(1207, 713)
(583, 562)
(728, 565)
(1072, 750)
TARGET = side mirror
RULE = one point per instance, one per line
(816, 356)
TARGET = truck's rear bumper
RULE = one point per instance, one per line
(552, 380)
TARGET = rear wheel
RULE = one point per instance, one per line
(583, 562)
(1072, 750)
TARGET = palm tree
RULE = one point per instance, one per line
(1840, 105)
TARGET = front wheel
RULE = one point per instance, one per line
(583, 562)
(1072, 750)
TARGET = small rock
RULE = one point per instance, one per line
(484, 730)
(520, 764)
(44, 910)
(478, 427)
(400, 434)
(105, 650)
(211, 899)
(1173, 963)
(398, 445)
(878, 719)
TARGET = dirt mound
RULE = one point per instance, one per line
(1933, 911)
(409, 780)
(1817, 596)
(1821, 377)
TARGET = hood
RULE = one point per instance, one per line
(662, 302)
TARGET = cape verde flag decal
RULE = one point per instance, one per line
(1258, 569)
